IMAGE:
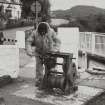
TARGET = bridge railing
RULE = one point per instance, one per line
(85, 41)
(92, 42)
(100, 43)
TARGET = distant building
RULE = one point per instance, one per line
(12, 8)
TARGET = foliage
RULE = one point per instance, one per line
(92, 23)
(3, 18)
(101, 23)
(45, 10)
(73, 24)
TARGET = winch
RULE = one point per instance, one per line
(64, 80)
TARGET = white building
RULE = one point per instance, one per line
(12, 8)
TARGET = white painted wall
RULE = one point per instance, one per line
(9, 56)
(69, 41)
(9, 60)
(20, 37)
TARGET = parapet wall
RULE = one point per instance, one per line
(9, 60)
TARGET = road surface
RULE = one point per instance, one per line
(11, 33)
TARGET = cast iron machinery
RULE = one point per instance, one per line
(64, 80)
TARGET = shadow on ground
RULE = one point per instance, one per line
(97, 100)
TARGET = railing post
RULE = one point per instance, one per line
(93, 43)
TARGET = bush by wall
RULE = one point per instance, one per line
(18, 24)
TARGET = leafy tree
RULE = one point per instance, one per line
(45, 10)
(92, 23)
(100, 23)
(3, 18)
(26, 7)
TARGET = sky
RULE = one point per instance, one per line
(67, 4)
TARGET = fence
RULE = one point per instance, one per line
(92, 42)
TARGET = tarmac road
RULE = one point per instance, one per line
(11, 33)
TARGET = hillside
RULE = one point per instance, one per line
(78, 11)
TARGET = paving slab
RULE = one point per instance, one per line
(24, 59)
(27, 72)
(83, 94)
